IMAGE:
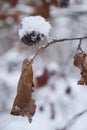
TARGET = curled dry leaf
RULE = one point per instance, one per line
(23, 104)
(80, 61)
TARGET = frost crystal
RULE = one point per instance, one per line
(34, 29)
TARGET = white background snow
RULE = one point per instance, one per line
(58, 58)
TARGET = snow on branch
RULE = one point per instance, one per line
(53, 41)
(35, 29)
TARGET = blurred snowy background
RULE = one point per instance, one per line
(58, 97)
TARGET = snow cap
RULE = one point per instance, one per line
(34, 23)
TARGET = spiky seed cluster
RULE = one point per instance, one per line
(32, 38)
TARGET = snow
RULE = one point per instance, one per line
(53, 67)
(25, 8)
(65, 105)
(17, 108)
(34, 23)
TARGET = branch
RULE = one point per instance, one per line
(53, 41)
(64, 39)
(73, 120)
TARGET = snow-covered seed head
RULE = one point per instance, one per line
(33, 37)
(34, 29)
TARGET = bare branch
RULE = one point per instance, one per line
(62, 40)
(40, 49)
(53, 41)
(73, 120)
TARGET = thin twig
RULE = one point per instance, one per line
(64, 39)
(41, 48)
(73, 120)
(53, 41)
(79, 47)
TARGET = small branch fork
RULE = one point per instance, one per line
(53, 41)
(73, 120)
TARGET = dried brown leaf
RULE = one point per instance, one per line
(24, 105)
(80, 61)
